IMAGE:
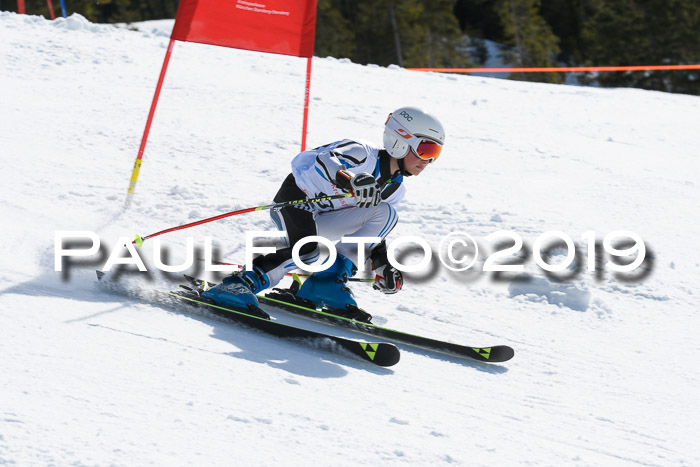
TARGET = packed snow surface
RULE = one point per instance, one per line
(606, 365)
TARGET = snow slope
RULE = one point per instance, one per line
(605, 372)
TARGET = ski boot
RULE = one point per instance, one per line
(237, 291)
(328, 290)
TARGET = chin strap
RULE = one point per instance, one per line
(402, 168)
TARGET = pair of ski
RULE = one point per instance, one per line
(379, 353)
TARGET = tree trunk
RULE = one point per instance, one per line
(395, 29)
(516, 35)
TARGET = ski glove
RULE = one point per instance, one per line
(388, 279)
(363, 187)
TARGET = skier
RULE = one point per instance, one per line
(412, 139)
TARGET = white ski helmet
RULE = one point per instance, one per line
(410, 128)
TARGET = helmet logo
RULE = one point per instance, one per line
(403, 133)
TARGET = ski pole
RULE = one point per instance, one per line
(139, 240)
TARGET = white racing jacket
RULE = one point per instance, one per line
(314, 172)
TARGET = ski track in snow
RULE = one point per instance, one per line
(605, 371)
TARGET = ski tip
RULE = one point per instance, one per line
(495, 354)
(138, 241)
(100, 274)
(506, 353)
(381, 354)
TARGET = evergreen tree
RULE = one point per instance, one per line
(109, 11)
(334, 35)
(410, 33)
(379, 24)
(567, 18)
(478, 18)
(441, 36)
(529, 39)
(646, 32)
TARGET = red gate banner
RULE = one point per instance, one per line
(277, 26)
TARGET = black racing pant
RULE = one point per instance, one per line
(297, 221)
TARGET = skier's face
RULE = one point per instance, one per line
(414, 164)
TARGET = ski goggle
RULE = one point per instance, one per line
(428, 150)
